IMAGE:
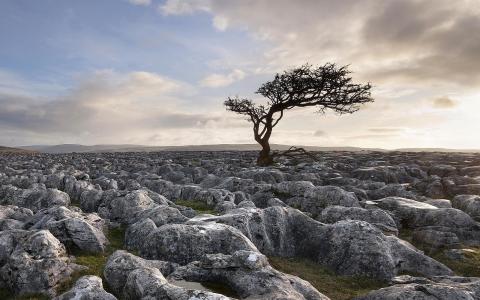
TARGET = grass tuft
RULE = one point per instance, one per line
(95, 262)
(198, 206)
(281, 196)
(326, 282)
(468, 267)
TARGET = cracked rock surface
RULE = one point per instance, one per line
(196, 218)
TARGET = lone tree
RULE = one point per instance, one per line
(325, 87)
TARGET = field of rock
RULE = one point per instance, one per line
(212, 225)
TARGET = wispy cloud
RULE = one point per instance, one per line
(320, 133)
(444, 102)
(386, 129)
(110, 104)
(180, 7)
(141, 2)
(416, 41)
(220, 80)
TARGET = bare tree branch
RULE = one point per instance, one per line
(327, 87)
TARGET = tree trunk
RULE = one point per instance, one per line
(265, 158)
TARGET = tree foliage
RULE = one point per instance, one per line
(327, 87)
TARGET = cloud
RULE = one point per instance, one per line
(415, 41)
(444, 102)
(220, 80)
(181, 7)
(141, 2)
(386, 129)
(423, 42)
(220, 23)
(320, 133)
(370, 136)
(108, 105)
(111, 107)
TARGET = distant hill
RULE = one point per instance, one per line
(69, 148)
(15, 150)
(438, 150)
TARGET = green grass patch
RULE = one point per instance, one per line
(281, 196)
(469, 267)
(326, 282)
(406, 235)
(95, 262)
(198, 206)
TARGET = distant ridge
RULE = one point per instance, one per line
(69, 148)
(437, 150)
(15, 150)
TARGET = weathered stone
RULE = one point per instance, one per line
(121, 263)
(437, 288)
(33, 262)
(249, 275)
(432, 239)
(440, 203)
(469, 204)
(443, 170)
(90, 200)
(149, 283)
(414, 214)
(13, 217)
(376, 217)
(125, 209)
(345, 247)
(87, 288)
(34, 198)
(74, 229)
(173, 242)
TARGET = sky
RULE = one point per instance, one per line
(156, 72)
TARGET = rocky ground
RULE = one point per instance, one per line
(212, 225)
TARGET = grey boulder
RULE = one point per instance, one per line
(13, 217)
(249, 274)
(377, 217)
(33, 262)
(124, 209)
(182, 243)
(346, 247)
(87, 288)
(437, 288)
(74, 229)
(469, 204)
(34, 198)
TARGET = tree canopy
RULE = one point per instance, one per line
(327, 87)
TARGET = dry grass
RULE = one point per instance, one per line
(469, 267)
(198, 206)
(95, 262)
(334, 286)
